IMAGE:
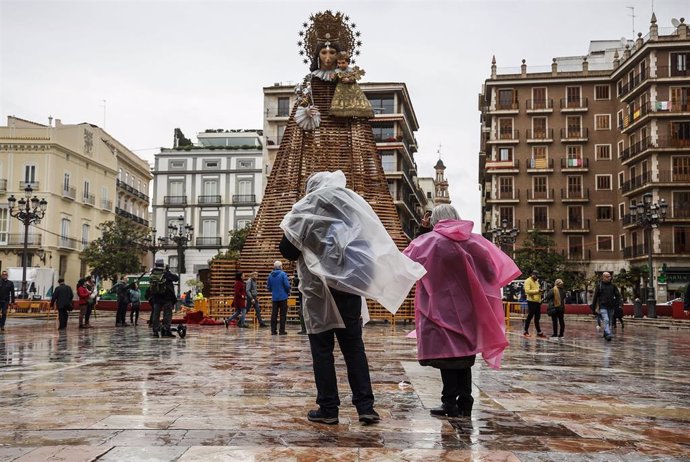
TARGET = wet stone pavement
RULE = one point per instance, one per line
(117, 394)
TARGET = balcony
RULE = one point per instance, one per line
(574, 104)
(89, 199)
(17, 240)
(635, 149)
(69, 243)
(172, 201)
(540, 196)
(574, 135)
(34, 185)
(673, 143)
(543, 226)
(637, 79)
(273, 142)
(633, 116)
(505, 137)
(575, 226)
(69, 192)
(539, 105)
(208, 242)
(503, 166)
(575, 165)
(504, 197)
(503, 107)
(209, 200)
(539, 165)
(3, 186)
(244, 199)
(637, 182)
(665, 248)
(540, 136)
(575, 195)
(578, 254)
(106, 204)
(679, 212)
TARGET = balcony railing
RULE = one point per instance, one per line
(244, 198)
(636, 148)
(574, 163)
(539, 104)
(577, 254)
(533, 194)
(34, 185)
(637, 182)
(174, 200)
(575, 194)
(17, 240)
(575, 225)
(209, 200)
(540, 135)
(106, 204)
(572, 134)
(502, 164)
(69, 192)
(89, 199)
(635, 114)
(504, 106)
(633, 82)
(512, 194)
(673, 142)
(507, 135)
(208, 241)
(3, 185)
(665, 248)
(69, 243)
(580, 104)
(680, 212)
(541, 225)
(539, 164)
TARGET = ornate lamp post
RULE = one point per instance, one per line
(181, 235)
(28, 210)
(649, 215)
(153, 245)
(504, 236)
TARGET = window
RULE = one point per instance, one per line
(383, 132)
(602, 92)
(621, 241)
(62, 266)
(505, 185)
(87, 189)
(64, 228)
(574, 156)
(177, 164)
(679, 64)
(681, 168)
(85, 228)
(283, 107)
(119, 174)
(680, 98)
(680, 134)
(65, 182)
(541, 217)
(574, 186)
(573, 96)
(605, 243)
(602, 122)
(539, 185)
(603, 182)
(505, 129)
(245, 187)
(621, 210)
(4, 225)
(245, 164)
(241, 223)
(388, 161)
(604, 212)
(539, 98)
(621, 147)
(210, 187)
(575, 247)
(602, 151)
(175, 187)
(619, 117)
(539, 127)
(211, 164)
(209, 228)
(574, 126)
(539, 157)
(30, 173)
(575, 217)
(681, 239)
(507, 99)
(505, 154)
(382, 104)
(680, 207)
(507, 214)
(621, 179)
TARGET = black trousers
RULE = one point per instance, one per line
(121, 314)
(457, 389)
(282, 306)
(534, 311)
(352, 348)
(558, 320)
(134, 312)
(89, 310)
(63, 316)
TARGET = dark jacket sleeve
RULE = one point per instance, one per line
(423, 230)
(288, 250)
(595, 299)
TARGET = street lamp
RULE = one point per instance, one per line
(153, 245)
(649, 215)
(504, 236)
(28, 210)
(181, 235)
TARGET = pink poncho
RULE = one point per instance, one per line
(458, 302)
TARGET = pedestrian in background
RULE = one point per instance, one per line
(556, 308)
(606, 298)
(6, 297)
(278, 284)
(253, 298)
(91, 302)
(135, 300)
(62, 299)
(239, 301)
(533, 292)
(83, 295)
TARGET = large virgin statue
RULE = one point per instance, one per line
(328, 130)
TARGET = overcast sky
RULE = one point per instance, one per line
(202, 64)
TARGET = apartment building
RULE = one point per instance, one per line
(74, 167)
(394, 126)
(568, 149)
(215, 185)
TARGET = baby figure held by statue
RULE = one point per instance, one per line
(349, 100)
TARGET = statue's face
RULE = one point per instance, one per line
(327, 58)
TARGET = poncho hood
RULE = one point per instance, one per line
(457, 230)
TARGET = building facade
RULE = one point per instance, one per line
(215, 186)
(75, 168)
(568, 150)
(394, 125)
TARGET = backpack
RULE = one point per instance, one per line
(157, 283)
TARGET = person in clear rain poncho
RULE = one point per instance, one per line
(343, 255)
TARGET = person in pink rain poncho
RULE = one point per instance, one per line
(458, 308)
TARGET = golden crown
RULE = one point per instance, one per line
(329, 29)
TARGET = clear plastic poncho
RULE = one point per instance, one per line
(345, 246)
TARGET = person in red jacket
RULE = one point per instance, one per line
(83, 293)
(239, 301)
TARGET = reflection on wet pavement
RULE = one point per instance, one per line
(112, 394)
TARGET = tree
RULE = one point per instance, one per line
(538, 252)
(237, 238)
(118, 251)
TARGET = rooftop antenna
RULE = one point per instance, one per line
(632, 15)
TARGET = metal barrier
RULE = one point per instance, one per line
(32, 308)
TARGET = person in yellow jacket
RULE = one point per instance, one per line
(533, 293)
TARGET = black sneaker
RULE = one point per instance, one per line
(369, 417)
(608, 337)
(316, 415)
(155, 334)
(446, 410)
